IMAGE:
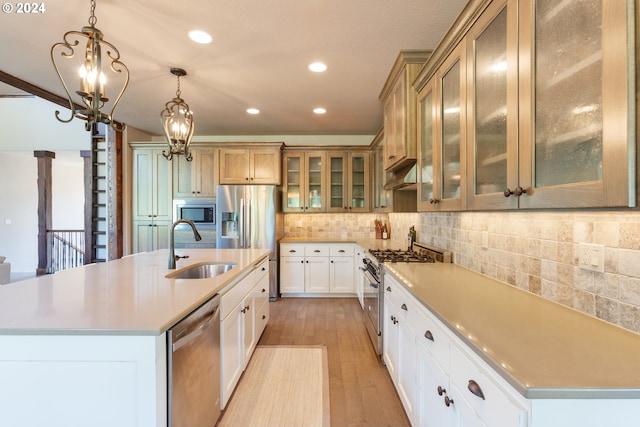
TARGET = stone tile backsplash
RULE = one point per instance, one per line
(535, 251)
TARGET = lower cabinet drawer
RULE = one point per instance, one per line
(490, 401)
(431, 333)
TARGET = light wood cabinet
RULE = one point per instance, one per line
(152, 200)
(576, 138)
(152, 197)
(197, 178)
(348, 181)
(250, 165)
(442, 135)
(399, 100)
(304, 182)
(539, 133)
(492, 99)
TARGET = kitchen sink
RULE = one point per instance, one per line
(201, 271)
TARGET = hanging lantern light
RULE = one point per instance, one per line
(92, 91)
(177, 123)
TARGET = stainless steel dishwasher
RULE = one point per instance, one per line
(194, 368)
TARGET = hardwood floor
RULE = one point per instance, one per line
(361, 390)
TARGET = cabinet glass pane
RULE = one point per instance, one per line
(293, 182)
(426, 148)
(337, 168)
(315, 182)
(490, 102)
(357, 182)
(451, 133)
(568, 95)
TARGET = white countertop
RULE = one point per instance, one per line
(128, 296)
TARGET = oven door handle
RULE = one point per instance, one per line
(372, 281)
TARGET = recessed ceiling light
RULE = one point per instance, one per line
(253, 111)
(317, 67)
(199, 36)
(319, 110)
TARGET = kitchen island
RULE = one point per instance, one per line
(87, 346)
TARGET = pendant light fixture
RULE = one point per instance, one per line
(177, 123)
(93, 82)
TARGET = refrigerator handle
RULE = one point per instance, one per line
(241, 224)
(248, 218)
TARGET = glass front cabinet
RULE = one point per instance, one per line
(548, 88)
(304, 182)
(348, 185)
(442, 136)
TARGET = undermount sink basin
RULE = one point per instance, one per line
(202, 271)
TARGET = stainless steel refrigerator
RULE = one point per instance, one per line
(250, 216)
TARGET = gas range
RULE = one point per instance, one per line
(420, 252)
(372, 283)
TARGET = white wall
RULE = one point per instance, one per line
(18, 175)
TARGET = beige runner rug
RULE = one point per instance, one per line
(283, 386)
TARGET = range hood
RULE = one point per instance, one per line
(404, 178)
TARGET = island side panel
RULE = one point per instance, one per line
(79, 380)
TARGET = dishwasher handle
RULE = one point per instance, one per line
(197, 331)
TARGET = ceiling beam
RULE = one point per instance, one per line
(39, 92)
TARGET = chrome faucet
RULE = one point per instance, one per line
(172, 251)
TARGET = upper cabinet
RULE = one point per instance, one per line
(382, 199)
(576, 104)
(251, 165)
(442, 115)
(492, 93)
(349, 181)
(399, 100)
(151, 184)
(304, 182)
(536, 132)
(197, 178)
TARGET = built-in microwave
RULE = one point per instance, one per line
(201, 211)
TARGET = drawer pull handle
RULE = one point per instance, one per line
(448, 402)
(475, 389)
(428, 335)
(316, 251)
(292, 251)
(404, 307)
(441, 391)
(341, 251)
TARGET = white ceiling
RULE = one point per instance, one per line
(258, 57)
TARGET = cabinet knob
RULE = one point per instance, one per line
(388, 288)
(428, 335)
(434, 201)
(264, 316)
(246, 178)
(264, 290)
(518, 191)
(448, 402)
(331, 261)
(441, 391)
(475, 389)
